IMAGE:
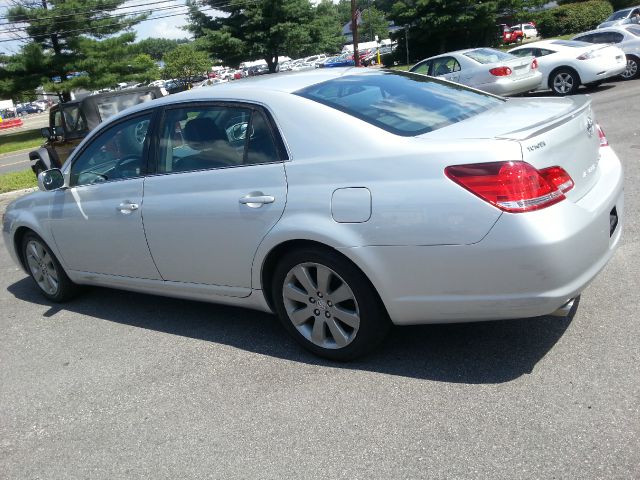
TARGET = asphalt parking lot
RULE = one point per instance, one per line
(122, 385)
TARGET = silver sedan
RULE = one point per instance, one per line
(343, 200)
(486, 69)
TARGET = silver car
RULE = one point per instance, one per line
(622, 17)
(625, 37)
(486, 69)
(343, 200)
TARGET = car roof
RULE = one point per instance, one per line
(613, 28)
(550, 44)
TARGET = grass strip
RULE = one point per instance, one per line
(11, 142)
(17, 181)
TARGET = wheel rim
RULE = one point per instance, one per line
(42, 267)
(321, 305)
(563, 83)
(631, 70)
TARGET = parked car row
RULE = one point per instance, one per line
(562, 66)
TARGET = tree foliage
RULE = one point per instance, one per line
(266, 29)
(572, 17)
(186, 62)
(62, 28)
(157, 48)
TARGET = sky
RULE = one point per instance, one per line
(167, 27)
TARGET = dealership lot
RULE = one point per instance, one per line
(121, 385)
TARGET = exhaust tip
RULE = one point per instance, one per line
(565, 309)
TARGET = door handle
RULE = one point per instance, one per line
(256, 201)
(127, 208)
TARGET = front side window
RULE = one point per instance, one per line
(116, 153)
(445, 65)
(399, 102)
(204, 137)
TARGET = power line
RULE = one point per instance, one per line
(82, 12)
(90, 29)
(121, 15)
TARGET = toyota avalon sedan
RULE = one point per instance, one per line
(444, 204)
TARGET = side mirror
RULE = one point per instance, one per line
(50, 180)
(46, 132)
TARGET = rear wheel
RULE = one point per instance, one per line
(564, 82)
(328, 305)
(631, 70)
(45, 270)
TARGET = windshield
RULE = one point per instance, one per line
(488, 55)
(109, 106)
(619, 15)
(402, 103)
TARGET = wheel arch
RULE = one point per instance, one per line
(271, 259)
(18, 238)
(562, 67)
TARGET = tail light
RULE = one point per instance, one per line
(500, 71)
(603, 139)
(534, 64)
(513, 186)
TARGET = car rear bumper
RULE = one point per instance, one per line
(508, 86)
(527, 265)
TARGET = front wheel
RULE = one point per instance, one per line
(631, 70)
(328, 305)
(46, 271)
(564, 82)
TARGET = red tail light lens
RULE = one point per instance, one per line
(513, 186)
(603, 139)
(534, 64)
(500, 71)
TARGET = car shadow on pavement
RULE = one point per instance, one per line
(474, 353)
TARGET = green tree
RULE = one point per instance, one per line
(157, 48)
(59, 26)
(265, 29)
(373, 22)
(186, 62)
(21, 73)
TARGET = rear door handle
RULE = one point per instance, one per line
(256, 201)
(127, 208)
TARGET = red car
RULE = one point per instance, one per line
(509, 35)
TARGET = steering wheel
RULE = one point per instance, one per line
(236, 128)
(140, 131)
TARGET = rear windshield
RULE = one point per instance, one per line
(402, 103)
(634, 30)
(488, 55)
(571, 43)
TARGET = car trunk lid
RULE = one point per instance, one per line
(551, 132)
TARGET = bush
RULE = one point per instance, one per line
(572, 18)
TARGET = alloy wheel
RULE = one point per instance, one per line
(631, 69)
(321, 305)
(563, 83)
(42, 267)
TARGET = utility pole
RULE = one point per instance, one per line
(406, 41)
(354, 31)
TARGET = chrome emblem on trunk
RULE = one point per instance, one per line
(590, 127)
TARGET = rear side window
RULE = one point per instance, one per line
(402, 103)
(488, 55)
(634, 30)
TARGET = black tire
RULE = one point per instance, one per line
(633, 68)
(364, 304)
(564, 81)
(41, 266)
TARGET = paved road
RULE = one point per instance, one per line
(17, 161)
(118, 385)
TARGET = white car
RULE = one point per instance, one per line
(626, 37)
(486, 69)
(567, 64)
(528, 29)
